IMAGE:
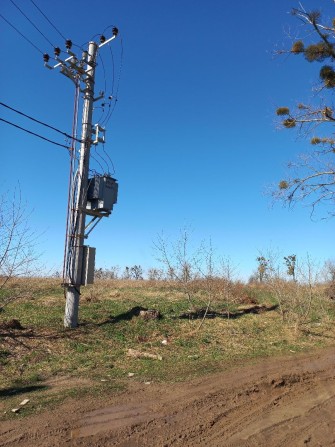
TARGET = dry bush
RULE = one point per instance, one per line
(301, 301)
(329, 278)
(182, 263)
(206, 280)
(224, 292)
(18, 257)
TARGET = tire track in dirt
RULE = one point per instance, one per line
(248, 411)
(274, 402)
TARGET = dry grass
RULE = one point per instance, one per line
(44, 351)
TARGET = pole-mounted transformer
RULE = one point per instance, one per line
(101, 195)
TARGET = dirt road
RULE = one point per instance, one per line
(287, 401)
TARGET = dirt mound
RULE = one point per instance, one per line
(287, 401)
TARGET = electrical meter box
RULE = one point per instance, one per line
(101, 194)
(87, 271)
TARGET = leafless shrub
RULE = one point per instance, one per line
(107, 273)
(208, 273)
(155, 274)
(329, 278)
(228, 291)
(18, 257)
(198, 271)
(300, 300)
(181, 263)
(134, 272)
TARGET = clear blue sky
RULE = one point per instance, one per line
(193, 137)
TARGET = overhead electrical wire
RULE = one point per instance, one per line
(120, 69)
(97, 161)
(102, 158)
(105, 88)
(106, 153)
(106, 118)
(46, 18)
(41, 122)
(104, 71)
(113, 68)
(32, 23)
(22, 35)
(71, 194)
(53, 25)
(111, 110)
(35, 134)
(111, 97)
(104, 113)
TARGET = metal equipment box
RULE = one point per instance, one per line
(102, 193)
(88, 267)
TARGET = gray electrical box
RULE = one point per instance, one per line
(101, 194)
(87, 272)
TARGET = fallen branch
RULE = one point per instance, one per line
(144, 355)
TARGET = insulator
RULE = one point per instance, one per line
(68, 44)
(57, 51)
(102, 39)
(84, 55)
(46, 57)
(115, 31)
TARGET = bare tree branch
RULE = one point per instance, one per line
(313, 178)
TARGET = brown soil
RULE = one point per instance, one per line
(287, 401)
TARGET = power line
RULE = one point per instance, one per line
(53, 25)
(71, 192)
(111, 109)
(113, 68)
(46, 18)
(31, 22)
(35, 134)
(97, 161)
(22, 35)
(41, 122)
(103, 148)
(103, 70)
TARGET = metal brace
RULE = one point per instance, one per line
(95, 218)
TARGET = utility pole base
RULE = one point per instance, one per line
(71, 307)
